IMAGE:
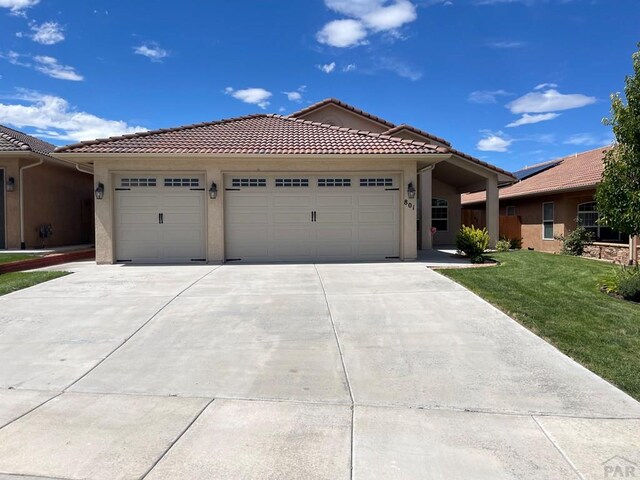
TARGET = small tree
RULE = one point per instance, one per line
(618, 195)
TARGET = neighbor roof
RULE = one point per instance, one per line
(14, 141)
(581, 170)
(256, 134)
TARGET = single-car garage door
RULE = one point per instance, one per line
(298, 217)
(160, 218)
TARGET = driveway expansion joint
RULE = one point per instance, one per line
(557, 447)
(30, 410)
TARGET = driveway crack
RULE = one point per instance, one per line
(342, 361)
(138, 329)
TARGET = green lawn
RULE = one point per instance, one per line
(14, 257)
(10, 282)
(557, 297)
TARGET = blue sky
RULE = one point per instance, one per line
(513, 82)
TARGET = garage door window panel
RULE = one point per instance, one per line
(292, 182)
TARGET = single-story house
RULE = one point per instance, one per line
(44, 201)
(328, 183)
(549, 199)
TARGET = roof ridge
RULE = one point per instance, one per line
(344, 105)
(419, 131)
(159, 130)
(355, 131)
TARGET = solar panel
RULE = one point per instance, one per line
(530, 171)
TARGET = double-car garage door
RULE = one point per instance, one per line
(279, 218)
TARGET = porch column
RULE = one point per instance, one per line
(633, 250)
(493, 210)
(425, 207)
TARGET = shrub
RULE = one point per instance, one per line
(625, 282)
(516, 243)
(575, 241)
(503, 245)
(472, 242)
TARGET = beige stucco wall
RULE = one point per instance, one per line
(450, 194)
(61, 197)
(105, 170)
(335, 115)
(12, 208)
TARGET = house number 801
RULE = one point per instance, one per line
(410, 205)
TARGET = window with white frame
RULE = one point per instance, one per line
(511, 211)
(588, 217)
(440, 214)
(547, 220)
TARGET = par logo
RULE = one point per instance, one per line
(619, 467)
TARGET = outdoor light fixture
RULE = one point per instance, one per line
(11, 184)
(100, 192)
(411, 190)
(213, 191)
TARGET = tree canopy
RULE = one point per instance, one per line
(618, 195)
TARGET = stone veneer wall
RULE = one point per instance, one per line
(614, 252)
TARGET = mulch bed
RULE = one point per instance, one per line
(47, 261)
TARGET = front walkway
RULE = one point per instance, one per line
(292, 371)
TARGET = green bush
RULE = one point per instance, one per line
(575, 241)
(625, 282)
(503, 245)
(516, 243)
(472, 242)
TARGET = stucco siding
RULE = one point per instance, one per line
(334, 115)
(12, 206)
(60, 197)
(214, 169)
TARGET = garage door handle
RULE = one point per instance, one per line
(161, 218)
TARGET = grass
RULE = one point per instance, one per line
(14, 257)
(10, 282)
(557, 297)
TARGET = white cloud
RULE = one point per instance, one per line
(588, 140)
(50, 66)
(349, 68)
(18, 7)
(296, 95)
(47, 33)
(494, 143)
(527, 119)
(398, 67)
(366, 16)
(542, 86)
(390, 17)
(506, 44)
(487, 96)
(254, 96)
(152, 51)
(548, 101)
(342, 33)
(54, 118)
(327, 67)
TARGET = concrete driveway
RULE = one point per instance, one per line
(364, 371)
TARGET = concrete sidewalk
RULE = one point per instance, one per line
(292, 371)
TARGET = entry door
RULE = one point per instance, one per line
(3, 241)
(160, 218)
(298, 217)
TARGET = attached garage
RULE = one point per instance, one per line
(312, 217)
(160, 218)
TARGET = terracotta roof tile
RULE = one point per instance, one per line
(582, 170)
(256, 134)
(14, 141)
(417, 131)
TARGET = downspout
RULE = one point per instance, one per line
(22, 169)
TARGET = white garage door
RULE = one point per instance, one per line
(160, 218)
(297, 217)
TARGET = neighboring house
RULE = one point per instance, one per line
(328, 183)
(44, 201)
(548, 198)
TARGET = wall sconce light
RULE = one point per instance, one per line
(411, 190)
(100, 192)
(213, 191)
(11, 184)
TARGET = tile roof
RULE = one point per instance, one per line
(581, 170)
(256, 134)
(14, 141)
(346, 106)
(404, 126)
